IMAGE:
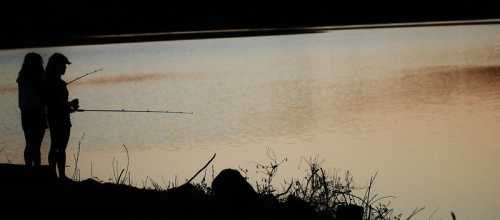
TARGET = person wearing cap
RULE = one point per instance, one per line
(58, 113)
(33, 118)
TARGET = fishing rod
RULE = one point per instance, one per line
(84, 75)
(135, 111)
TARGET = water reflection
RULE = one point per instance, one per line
(413, 104)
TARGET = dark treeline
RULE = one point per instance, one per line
(53, 23)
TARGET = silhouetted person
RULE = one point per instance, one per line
(58, 113)
(30, 85)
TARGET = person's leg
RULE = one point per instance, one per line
(61, 153)
(27, 155)
(36, 155)
(61, 163)
(53, 151)
(28, 150)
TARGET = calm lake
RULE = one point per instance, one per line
(420, 106)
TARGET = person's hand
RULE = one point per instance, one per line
(74, 105)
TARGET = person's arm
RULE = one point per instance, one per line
(72, 105)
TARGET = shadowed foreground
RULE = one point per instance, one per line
(28, 194)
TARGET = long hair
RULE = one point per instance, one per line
(50, 69)
(32, 68)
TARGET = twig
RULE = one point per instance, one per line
(115, 170)
(432, 214)
(119, 177)
(199, 171)
(124, 174)
(415, 212)
(213, 172)
(127, 171)
(91, 169)
(286, 191)
(76, 172)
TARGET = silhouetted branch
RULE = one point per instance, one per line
(286, 191)
(199, 171)
(415, 212)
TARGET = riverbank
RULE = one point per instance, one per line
(34, 194)
(28, 194)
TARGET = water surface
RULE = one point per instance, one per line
(418, 105)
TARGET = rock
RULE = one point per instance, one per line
(230, 184)
(233, 195)
(297, 207)
(349, 212)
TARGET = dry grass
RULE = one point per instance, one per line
(325, 192)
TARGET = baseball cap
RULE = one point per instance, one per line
(57, 57)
